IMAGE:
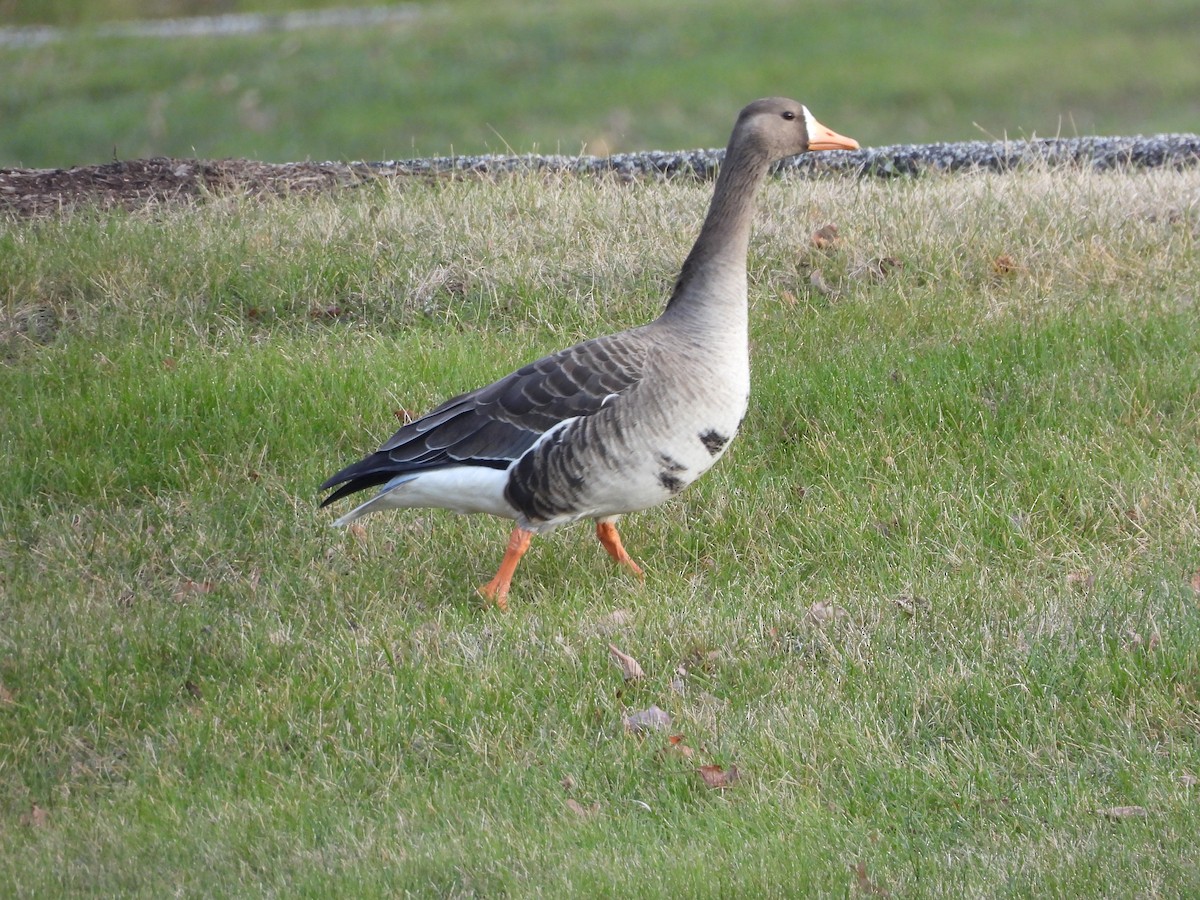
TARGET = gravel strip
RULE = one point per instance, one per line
(1099, 153)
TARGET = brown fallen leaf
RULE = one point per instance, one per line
(910, 605)
(325, 312)
(584, 812)
(825, 237)
(628, 665)
(568, 783)
(6, 696)
(877, 269)
(647, 720)
(677, 747)
(718, 777)
(864, 885)
(1124, 812)
(35, 818)
(1195, 582)
(359, 532)
(404, 414)
(1188, 780)
(1004, 265)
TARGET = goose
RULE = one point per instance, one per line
(616, 424)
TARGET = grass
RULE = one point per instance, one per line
(984, 464)
(478, 76)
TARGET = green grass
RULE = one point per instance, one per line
(476, 76)
(993, 475)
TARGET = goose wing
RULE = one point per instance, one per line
(494, 425)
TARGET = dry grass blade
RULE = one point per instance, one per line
(822, 612)
(190, 588)
(1081, 578)
(36, 817)
(1124, 812)
(584, 812)
(821, 286)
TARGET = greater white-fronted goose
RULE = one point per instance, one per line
(617, 423)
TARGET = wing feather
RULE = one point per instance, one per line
(496, 424)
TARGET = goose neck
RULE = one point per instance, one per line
(715, 269)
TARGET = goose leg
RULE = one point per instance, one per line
(606, 531)
(496, 590)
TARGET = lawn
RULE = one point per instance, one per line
(939, 607)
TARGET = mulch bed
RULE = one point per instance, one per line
(138, 183)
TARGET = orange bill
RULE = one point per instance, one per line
(822, 138)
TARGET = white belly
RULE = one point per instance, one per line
(654, 455)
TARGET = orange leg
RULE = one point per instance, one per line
(607, 533)
(496, 590)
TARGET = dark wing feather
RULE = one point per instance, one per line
(496, 424)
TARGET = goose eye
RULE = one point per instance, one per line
(789, 115)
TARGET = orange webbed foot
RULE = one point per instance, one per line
(496, 590)
(607, 534)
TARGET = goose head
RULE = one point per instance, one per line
(776, 127)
